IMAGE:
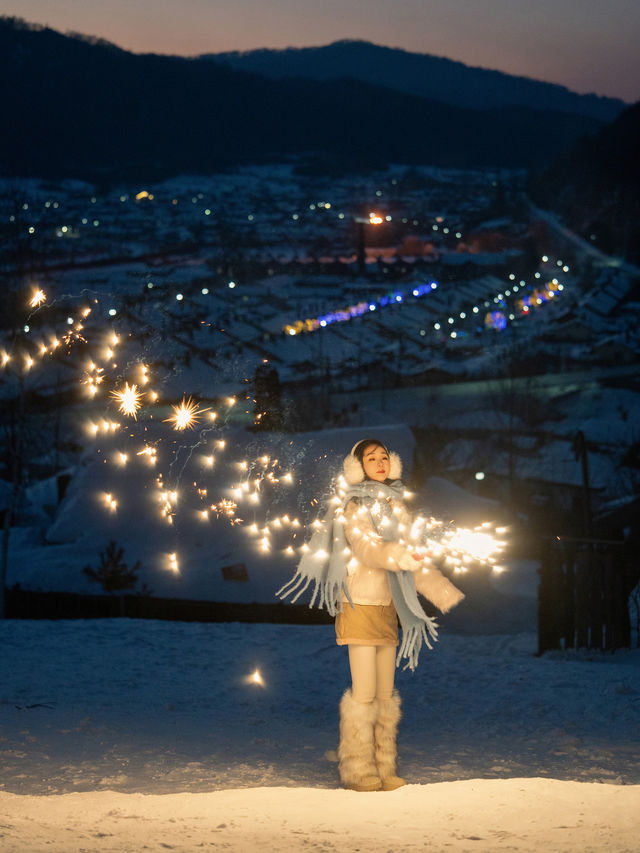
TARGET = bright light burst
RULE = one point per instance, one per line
(477, 544)
(186, 415)
(128, 399)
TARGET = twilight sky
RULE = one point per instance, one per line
(587, 45)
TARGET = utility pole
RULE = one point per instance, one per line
(360, 245)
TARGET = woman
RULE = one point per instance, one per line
(367, 563)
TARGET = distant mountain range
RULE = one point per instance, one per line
(420, 74)
(82, 107)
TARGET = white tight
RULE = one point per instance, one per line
(372, 672)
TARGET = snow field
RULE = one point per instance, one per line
(128, 735)
(525, 815)
(141, 706)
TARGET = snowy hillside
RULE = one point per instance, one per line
(203, 541)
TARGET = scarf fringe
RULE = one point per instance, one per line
(330, 592)
(412, 640)
(298, 585)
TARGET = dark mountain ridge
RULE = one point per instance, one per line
(84, 107)
(595, 186)
(421, 74)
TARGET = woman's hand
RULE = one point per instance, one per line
(409, 562)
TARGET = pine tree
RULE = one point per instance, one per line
(113, 574)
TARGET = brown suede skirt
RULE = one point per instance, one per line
(367, 625)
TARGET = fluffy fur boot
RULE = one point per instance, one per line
(386, 730)
(356, 761)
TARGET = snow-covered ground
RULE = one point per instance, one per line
(128, 735)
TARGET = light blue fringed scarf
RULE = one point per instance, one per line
(325, 566)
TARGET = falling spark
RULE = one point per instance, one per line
(226, 508)
(38, 298)
(254, 678)
(150, 452)
(110, 502)
(128, 399)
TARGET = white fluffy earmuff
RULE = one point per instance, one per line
(354, 472)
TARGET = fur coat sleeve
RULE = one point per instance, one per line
(437, 588)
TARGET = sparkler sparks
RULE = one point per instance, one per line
(186, 415)
(150, 452)
(458, 546)
(128, 399)
(226, 509)
(254, 678)
(110, 502)
(38, 298)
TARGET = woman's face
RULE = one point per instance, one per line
(375, 462)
